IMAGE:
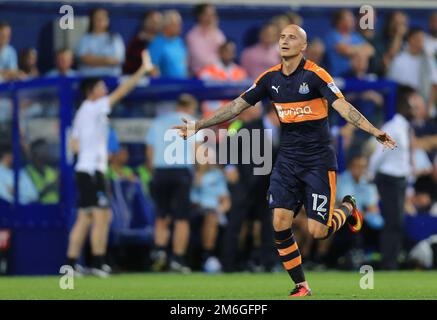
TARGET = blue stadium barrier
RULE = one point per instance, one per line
(420, 227)
(40, 232)
(133, 214)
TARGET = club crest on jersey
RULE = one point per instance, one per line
(303, 89)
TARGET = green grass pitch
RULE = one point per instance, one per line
(325, 285)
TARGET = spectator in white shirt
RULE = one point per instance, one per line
(391, 169)
(412, 67)
(431, 36)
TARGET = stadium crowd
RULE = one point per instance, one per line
(235, 228)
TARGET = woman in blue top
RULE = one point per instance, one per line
(100, 52)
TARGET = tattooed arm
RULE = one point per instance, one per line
(353, 116)
(225, 113)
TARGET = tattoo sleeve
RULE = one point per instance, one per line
(353, 116)
(225, 113)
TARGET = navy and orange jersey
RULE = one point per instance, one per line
(301, 100)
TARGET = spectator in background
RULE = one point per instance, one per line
(425, 198)
(28, 62)
(210, 195)
(391, 170)
(171, 186)
(421, 142)
(44, 177)
(431, 36)
(27, 191)
(8, 56)
(263, 55)
(343, 42)
(282, 20)
(424, 254)
(144, 173)
(205, 38)
(369, 102)
(315, 51)
(389, 43)
(168, 50)
(421, 122)
(64, 62)
(294, 18)
(151, 26)
(420, 68)
(100, 52)
(118, 168)
(355, 181)
(223, 70)
(248, 192)
(370, 35)
(360, 68)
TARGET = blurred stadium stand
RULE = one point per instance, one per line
(40, 228)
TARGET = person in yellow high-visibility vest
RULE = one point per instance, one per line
(44, 177)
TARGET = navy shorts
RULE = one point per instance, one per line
(292, 187)
(170, 189)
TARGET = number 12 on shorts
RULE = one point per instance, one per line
(321, 206)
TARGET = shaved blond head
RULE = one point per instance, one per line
(296, 30)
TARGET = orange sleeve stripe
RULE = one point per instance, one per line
(321, 73)
(332, 176)
(290, 249)
(274, 68)
(311, 66)
(293, 263)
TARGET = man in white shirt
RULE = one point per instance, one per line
(414, 68)
(90, 138)
(431, 36)
(391, 170)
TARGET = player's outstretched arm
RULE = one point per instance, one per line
(353, 116)
(123, 89)
(225, 113)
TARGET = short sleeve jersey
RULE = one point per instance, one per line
(301, 100)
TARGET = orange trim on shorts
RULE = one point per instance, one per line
(290, 249)
(290, 112)
(293, 263)
(332, 176)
